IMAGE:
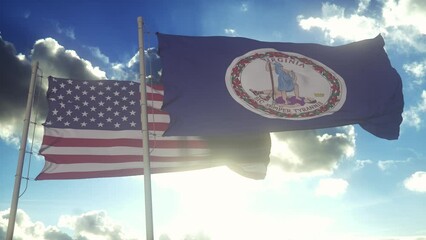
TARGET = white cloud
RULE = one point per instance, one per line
(57, 61)
(417, 70)
(390, 164)
(414, 114)
(331, 187)
(25, 228)
(96, 52)
(244, 7)
(402, 22)
(405, 13)
(416, 182)
(335, 24)
(93, 225)
(360, 164)
(68, 31)
(231, 32)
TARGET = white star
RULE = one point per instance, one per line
(76, 119)
(131, 83)
(60, 97)
(84, 92)
(100, 114)
(93, 109)
(132, 102)
(69, 91)
(108, 88)
(69, 113)
(124, 88)
(116, 93)
(109, 119)
(92, 88)
(66, 123)
(54, 89)
(116, 113)
(124, 118)
(124, 98)
(131, 93)
(109, 109)
(101, 103)
(48, 123)
(100, 124)
(83, 124)
(77, 87)
(132, 113)
(133, 124)
(84, 114)
(85, 83)
(100, 83)
(93, 98)
(100, 93)
(85, 103)
(62, 105)
(124, 107)
(59, 119)
(69, 81)
(77, 98)
(116, 84)
(116, 125)
(55, 112)
(108, 98)
(116, 102)
(62, 85)
(76, 107)
(92, 119)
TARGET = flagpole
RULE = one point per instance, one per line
(145, 136)
(22, 149)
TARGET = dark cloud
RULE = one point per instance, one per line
(15, 75)
(310, 151)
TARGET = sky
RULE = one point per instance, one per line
(339, 183)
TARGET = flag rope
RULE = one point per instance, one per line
(34, 124)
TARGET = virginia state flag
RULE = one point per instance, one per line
(231, 85)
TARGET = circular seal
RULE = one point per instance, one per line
(284, 85)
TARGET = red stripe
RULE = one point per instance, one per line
(157, 126)
(156, 111)
(84, 142)
(114, 173)
(157, 87)
(71, 159)
(154, 97)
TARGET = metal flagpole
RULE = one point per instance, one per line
(145, 136)
(18, 176)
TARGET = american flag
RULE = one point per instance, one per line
(93, 129)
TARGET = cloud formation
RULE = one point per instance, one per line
(92, 225)
(15, 75)
(309, 151)
(401, 22)
(416, 182)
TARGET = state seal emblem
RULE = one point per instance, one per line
(284, 85)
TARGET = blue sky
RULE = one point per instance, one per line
(341, 183)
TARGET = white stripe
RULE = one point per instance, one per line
(99, 167)
(154, 104)
(149, 89)
(108, 134)
(117, 151)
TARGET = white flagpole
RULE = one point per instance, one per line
(22, 149)
(145, 136)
